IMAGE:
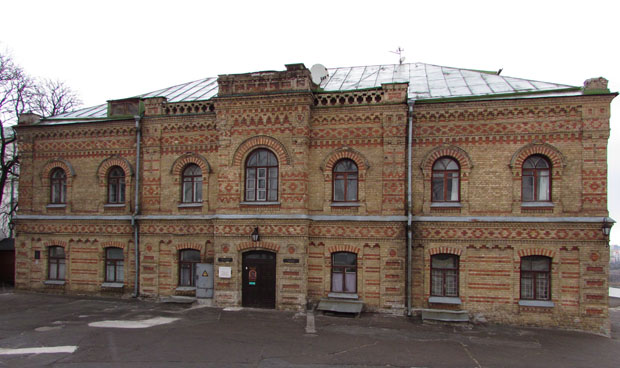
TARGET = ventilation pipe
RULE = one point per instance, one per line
(409, 203)
(134, 220)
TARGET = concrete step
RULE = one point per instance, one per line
(340, 305)
(445, 315)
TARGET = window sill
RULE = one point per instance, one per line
(343, 295)
(186, 288)
(114, 205)
(54, 282)
(446, 204)
(537, 303)
(277, 203)
(345, 204)
(537, 204)
(115, 285)
(445, 300)
(56, 205)
(190, 205)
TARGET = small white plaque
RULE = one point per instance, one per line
(224, 272)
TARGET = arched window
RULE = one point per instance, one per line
(344, 272)
(345, 181)
(536, 179)
(187, 266)
(261, 176)
(58, 186)
(116, 185)
(445, 185)
(445, 275)
(536, 278)
(56, 263)
(114, 265)
(192, 184)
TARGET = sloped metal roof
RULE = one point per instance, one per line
(426, 82)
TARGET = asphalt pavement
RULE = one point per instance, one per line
(91, 332)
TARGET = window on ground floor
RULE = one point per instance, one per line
(114, 265)
(187, 266)
(536, 278)
(56, 263)
(344, 272)
(445, 275)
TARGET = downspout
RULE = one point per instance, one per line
(409, 203)
(134, 220)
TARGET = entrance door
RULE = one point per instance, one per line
(259, 279)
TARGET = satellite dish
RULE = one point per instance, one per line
(319, 73)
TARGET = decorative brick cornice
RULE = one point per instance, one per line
(182, 246)
(343, 248)
(258, 245)
(190, 158)
(55, 243)
(328, 163)
(465, 162)
(108, 163)
(113, 244)
(445, 250)
(55, 163)
(558, 162)
(258, 142)
(536, 252)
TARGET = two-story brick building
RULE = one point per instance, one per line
(405, 187)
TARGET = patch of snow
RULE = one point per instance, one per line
(40, 350)
(232, 309)
(134, 324)
(614, 292)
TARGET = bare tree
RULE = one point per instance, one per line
(20, 93)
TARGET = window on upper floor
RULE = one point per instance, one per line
(114, 265)
(261, 176)
(535, 278)
(445, 275)
(445, 184)
(56, 263)
(58, 186)
(187, 266)
(192, 184)
(344, 272)
(536, 179)
(345, 181)
(116, 185)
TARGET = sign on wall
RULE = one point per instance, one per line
(224, 272)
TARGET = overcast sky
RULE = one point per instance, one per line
(114, 49)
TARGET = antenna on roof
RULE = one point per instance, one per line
(399, 52)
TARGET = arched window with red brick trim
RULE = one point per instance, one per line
(116, 185)
(192, 184)
(58, 186)
(536, 179)
(261, 176)
(445, 186)
(345, 176)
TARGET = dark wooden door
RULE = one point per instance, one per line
(259, 279)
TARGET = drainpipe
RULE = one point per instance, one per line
(134, 220)
(409, 202)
